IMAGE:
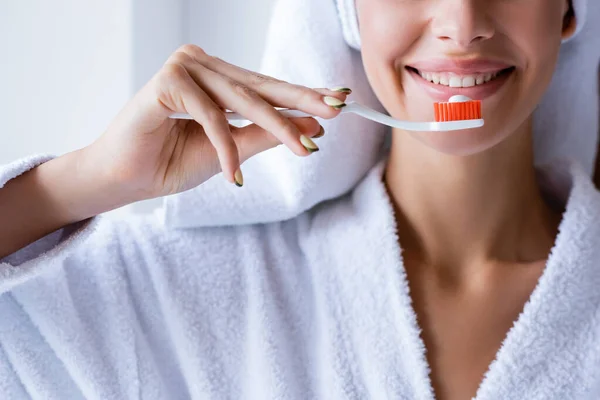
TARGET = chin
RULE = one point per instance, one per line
(461, 143)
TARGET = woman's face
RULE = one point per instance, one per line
(417, 52)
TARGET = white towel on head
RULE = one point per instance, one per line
(307, 45)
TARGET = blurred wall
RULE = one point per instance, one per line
(65, 72)
(68, 66)
(233, 29)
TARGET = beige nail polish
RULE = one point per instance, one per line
(333, 102)
(308, 144)
(320, 134)
(341, 89)
(239, 178)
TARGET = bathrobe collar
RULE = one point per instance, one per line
(551, 351)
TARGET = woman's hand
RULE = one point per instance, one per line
(151, 155)
(146, 154)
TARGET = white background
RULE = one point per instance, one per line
(68, 66)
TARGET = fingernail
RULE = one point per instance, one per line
(239, 178)
(308, 144)
(320, 134)
(333, 102)
(341, 89)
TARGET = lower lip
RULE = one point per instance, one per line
(441, 93)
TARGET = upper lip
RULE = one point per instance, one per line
(460, 66)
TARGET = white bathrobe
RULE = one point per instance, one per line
(316, 307)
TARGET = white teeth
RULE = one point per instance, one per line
(468, 81)
(457, 81)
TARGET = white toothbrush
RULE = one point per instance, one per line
(355, 108)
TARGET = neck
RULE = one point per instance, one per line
(456, 211)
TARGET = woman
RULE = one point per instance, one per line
(317, 306)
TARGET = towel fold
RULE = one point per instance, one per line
(306, 45)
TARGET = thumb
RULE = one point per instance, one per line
(253, 139)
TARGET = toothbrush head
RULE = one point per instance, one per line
(458, 108)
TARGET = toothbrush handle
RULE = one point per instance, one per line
(233, 116)
(355, 108)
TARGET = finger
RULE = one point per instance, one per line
(186, 96)
(253, 139)
(276, 92)
(339, 92)
(231, 95)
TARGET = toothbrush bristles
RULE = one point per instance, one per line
(460, 111)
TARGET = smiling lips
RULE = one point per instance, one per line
(456, 81)
(443, 78)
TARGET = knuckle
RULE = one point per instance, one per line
(179, 57)
(243, 91)
(216, 119)
(286, 128)
(305, 95)
(215, 61)
(169, 84)
(212, 62)
(172, 74)
(192, 50)
(258, 80)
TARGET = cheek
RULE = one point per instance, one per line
(533, 35)
(388, 23)
(533, 32)
(388, 33)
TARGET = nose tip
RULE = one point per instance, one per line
(463, 41)
(463, 23)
